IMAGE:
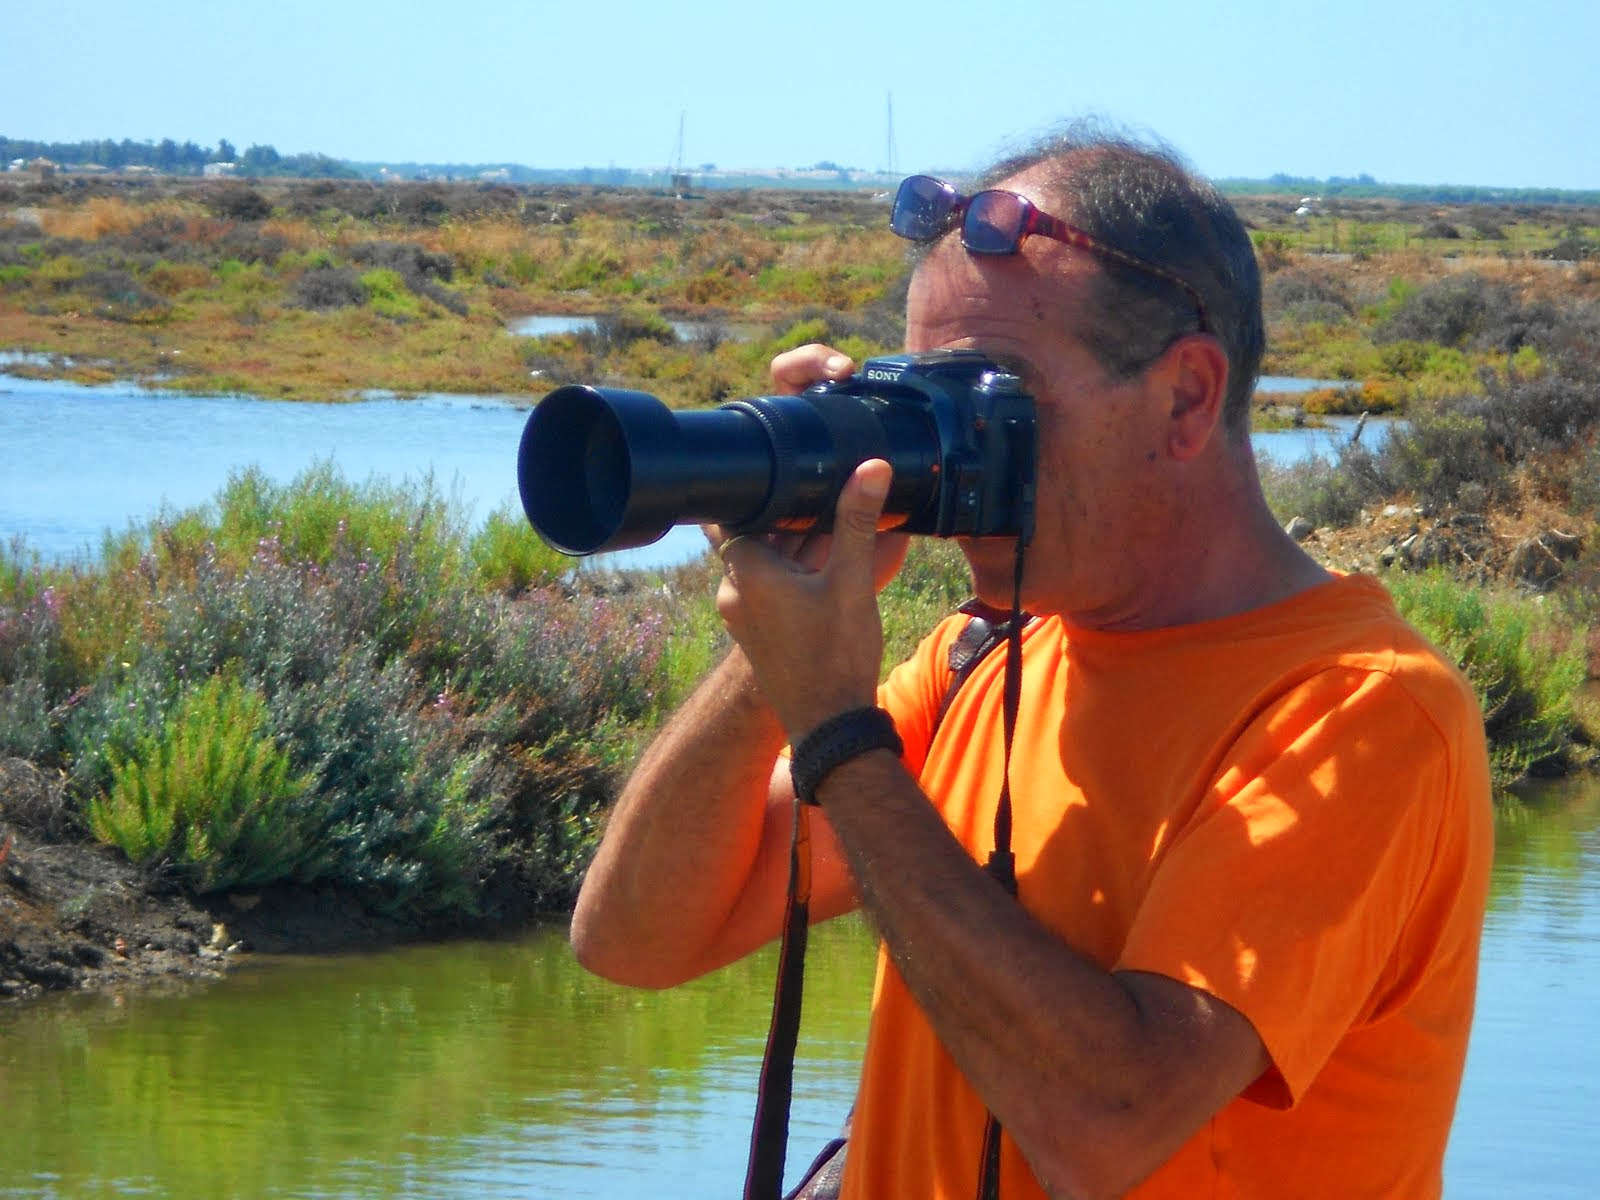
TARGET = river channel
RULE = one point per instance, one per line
(77, 461)
(500, 1069)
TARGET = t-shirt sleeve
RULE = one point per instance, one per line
(914, 691)
(1287, 892)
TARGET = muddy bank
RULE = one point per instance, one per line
(74, 915)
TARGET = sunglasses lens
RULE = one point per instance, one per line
(922, 208)
(994, 223)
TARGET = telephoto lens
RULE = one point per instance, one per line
(604, 469)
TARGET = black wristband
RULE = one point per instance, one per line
(836, 741)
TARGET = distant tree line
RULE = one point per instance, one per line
(186, 158)
(175, 158)
(1365, 187)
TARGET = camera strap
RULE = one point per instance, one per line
(985, 630)
(1002, 864)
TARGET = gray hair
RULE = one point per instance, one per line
(1142, 199)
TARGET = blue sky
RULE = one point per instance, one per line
(1408, 91)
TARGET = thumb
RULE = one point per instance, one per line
(855, 521)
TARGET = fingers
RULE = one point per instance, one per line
(795, 370)
(855, 523)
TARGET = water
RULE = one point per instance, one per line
(555, 324)
(501, 1069)
(476, 1069)
(1526, 1125)
(77, 462)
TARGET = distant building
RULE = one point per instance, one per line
(217, 169)
(39, 168)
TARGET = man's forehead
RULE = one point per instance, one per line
(1046, 184)
(1000, 306)
(1045, 276)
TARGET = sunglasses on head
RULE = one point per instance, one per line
(996, 221)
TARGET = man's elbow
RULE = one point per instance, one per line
(1084, 1165)
(621, 959)
(1109, 1145)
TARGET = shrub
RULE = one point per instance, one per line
(617, 331)
(35, 670)
(410, 260)
(1572, 246)
(324, 287)
(1434, 455)
(1323, 492)
(1524, 669)
(237, 202)
(249, 244)
(1464, 312)
(120, 294)
(1523, 417)
(421, 203)
(456, 746)
(211, 794)
(509, 557)
(388, 294)
(1305, 297)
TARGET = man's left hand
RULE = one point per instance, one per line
(805, 612)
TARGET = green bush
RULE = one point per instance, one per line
(211, 794)
(933, 583)
(509, 557)
(35, 671)
(1524, 667)
(457, 742)
(616, 330)
(1437, 454)
(388, 295)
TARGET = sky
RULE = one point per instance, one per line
(1475, 92)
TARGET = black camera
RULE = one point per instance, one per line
(609, 469)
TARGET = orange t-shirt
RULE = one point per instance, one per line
(1289, 809)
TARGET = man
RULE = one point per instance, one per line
(1251, 806)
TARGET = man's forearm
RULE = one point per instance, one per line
(684, 840)
(1098, 1077)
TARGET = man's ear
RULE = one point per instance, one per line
(1193, 376)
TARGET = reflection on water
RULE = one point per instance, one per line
(1526, 1124)
(501, 1069)
(466, 1070)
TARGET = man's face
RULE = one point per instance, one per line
(1101, 440)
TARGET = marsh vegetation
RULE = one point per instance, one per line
(324, 684)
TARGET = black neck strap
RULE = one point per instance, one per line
(770, 1135)
(1002, 864)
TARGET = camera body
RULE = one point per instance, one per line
(608, 468)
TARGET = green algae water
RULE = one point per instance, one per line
(501, 1069)
(478, 1069)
